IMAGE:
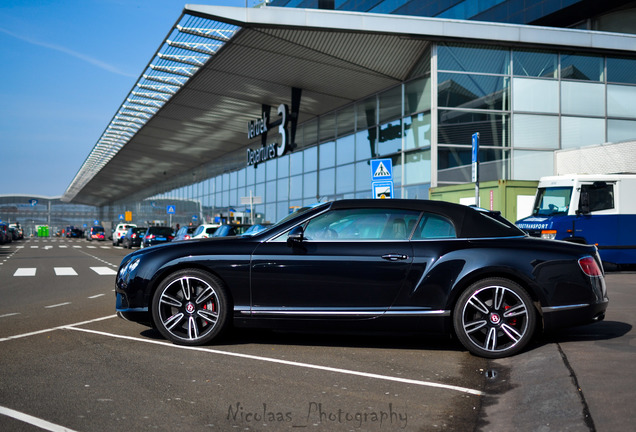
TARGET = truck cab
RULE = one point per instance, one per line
(589, 209)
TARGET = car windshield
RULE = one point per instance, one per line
(552, 201)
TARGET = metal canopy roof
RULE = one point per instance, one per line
(219, 65)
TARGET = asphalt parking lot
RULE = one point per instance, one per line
(69, 364)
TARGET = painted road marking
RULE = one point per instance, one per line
(64, 271)
(23, 271)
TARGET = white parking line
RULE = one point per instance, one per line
(289, 363)
(42, 424)
(57, 305)
(64, 271)
(23, 271)
(103, 271)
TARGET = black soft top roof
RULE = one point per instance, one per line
(470, 222)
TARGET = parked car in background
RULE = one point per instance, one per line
(256, 228)
(229, 230)
(157, 235)
(74, 232)
(120, 231)
(184, 233)
(5, 237)
(133, 236)
(96, 232)
(415, 265)
(205, 231)
(18, 230)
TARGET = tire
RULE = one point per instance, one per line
(190, 307)
(494, 318)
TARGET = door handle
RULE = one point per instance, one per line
(394, 257)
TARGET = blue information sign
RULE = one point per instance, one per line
(381, 169)
(170, 209)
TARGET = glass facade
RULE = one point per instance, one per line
(524, 103)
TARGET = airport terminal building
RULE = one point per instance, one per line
(250, 112)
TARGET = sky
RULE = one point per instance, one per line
(65, 68)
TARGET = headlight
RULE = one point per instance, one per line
(548, 234)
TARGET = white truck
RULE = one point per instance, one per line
(591, 209)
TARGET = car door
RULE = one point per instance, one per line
(349, 263)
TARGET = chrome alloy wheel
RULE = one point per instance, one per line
(189, 307)
(494, 318)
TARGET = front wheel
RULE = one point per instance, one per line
(494, 318)
(190, 307)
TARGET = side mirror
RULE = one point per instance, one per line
(584, 203)
(296, 235)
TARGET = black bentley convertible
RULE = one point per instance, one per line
(414, 265)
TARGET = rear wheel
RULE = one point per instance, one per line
(494, 318)
(190, 307)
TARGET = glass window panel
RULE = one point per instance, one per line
(535, 95)
(581, 131)
(417, 167)
(310, 133)
(260, 172)
(234, 201)
(621, 130)
(390, 140)
(416, 191)
(621, 70)
(260, 191)
(310, 185)
(345, 179)
(366, 113)
(225, 198)
(270, 211)
(327, 182)
(582, 98)
(621, 101)
(417, 96)
(417, 131)
(283, 189)
(473, 91)
(473, 58)
(233, 179)
(241, 177)
(345, 149)
(296, 187)
(250, 176)
(579, 67)
(346, 118)
(270, 169)
(283, 166)
(327, 126)
(458, 127)
(363, 176)
(310, 157)
(536, 131)
(365, 144)
(390, 104)
(455, 164)
(327, 154)
(296, 163)
(535, 64)
(532, 165)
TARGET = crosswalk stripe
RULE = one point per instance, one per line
(64, 271)
(25, 272)
(104, 271)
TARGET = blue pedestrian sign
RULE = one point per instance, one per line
(170, 209)
(381, 169)
(121, 217)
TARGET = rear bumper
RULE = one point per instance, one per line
(573, 315)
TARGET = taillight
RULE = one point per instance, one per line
(187, 237)
(590, 266)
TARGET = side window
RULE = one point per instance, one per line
(362, 224)
(433, 226)
(601, 196)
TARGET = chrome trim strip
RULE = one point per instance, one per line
(336, 313)
(562, 308)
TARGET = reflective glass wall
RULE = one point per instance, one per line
(524, 103)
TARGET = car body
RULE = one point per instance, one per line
(155, 235)
(73, 232)
(120, 231)
(133, 236)
(205, 231)
(415, 265)
(5, 235)
(96, 232)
